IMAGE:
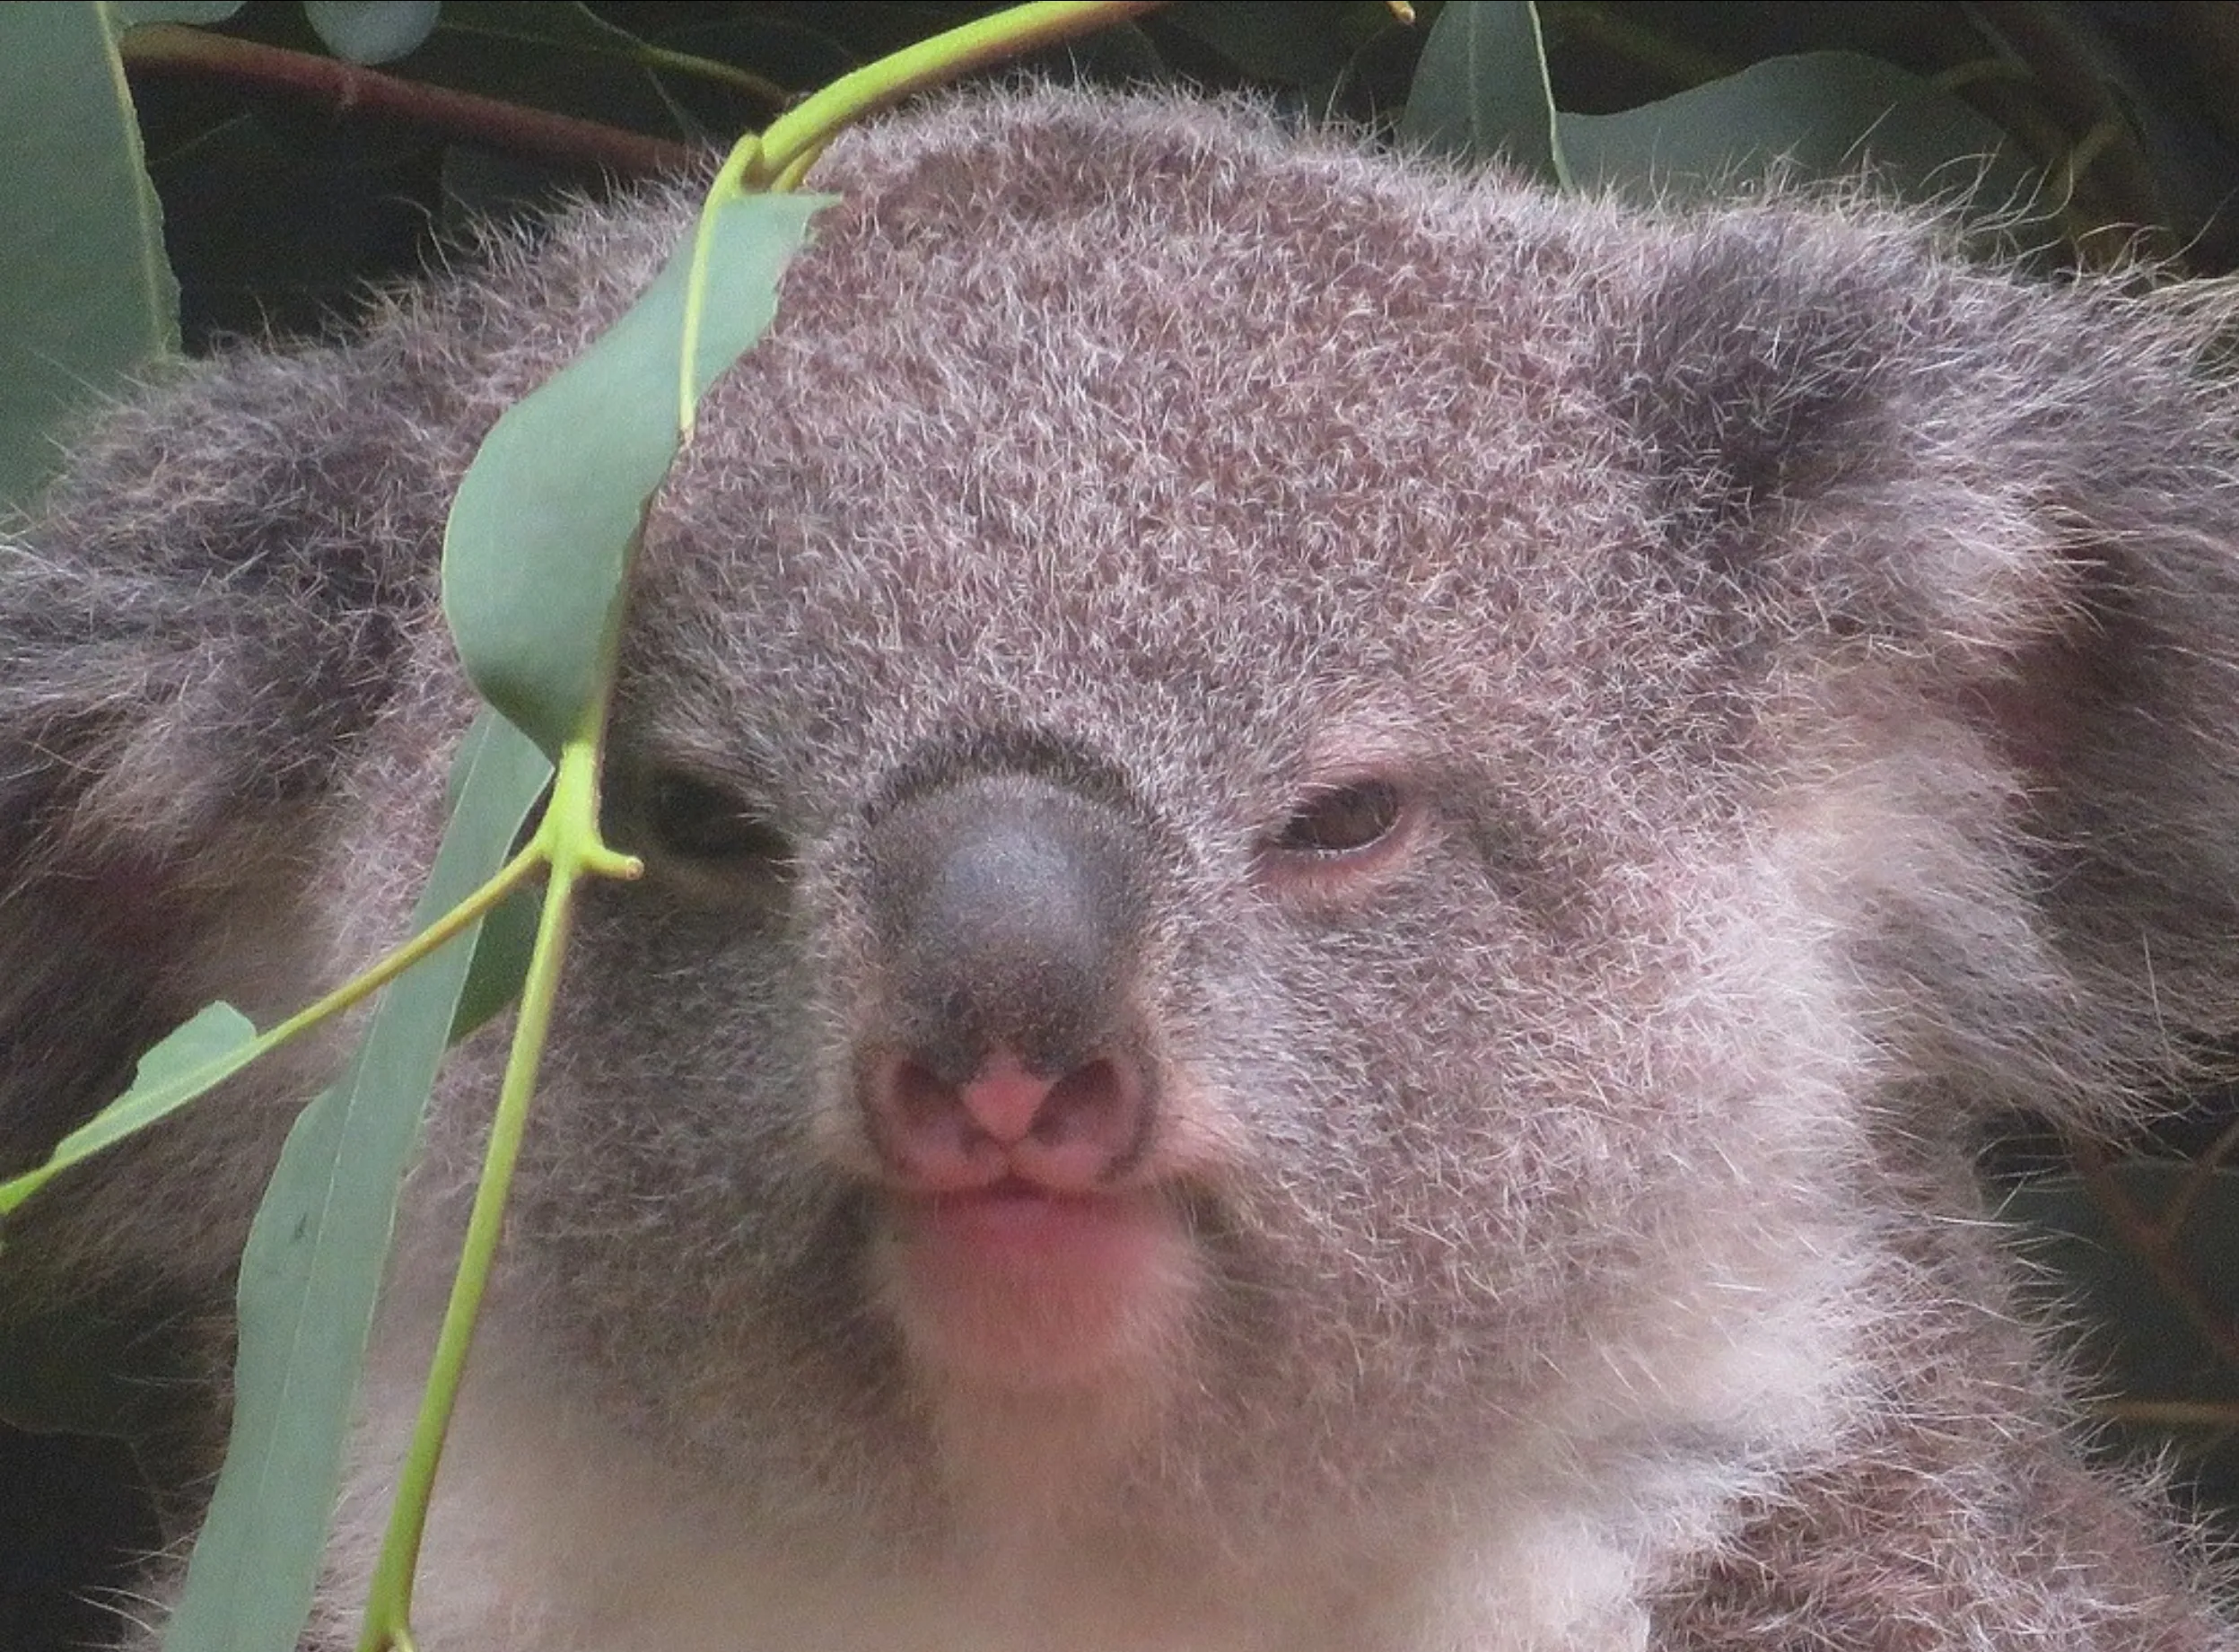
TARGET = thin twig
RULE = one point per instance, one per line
(352, 88)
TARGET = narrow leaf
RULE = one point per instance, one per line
(2140, 1299)
(1820, 114)
(131, 13)
(313, 1271)
(540, 540)
(501, 961)
(1481, 89)
(372, 30)
(196, 1057)
(86, 296)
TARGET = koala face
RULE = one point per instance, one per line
(1203, 861)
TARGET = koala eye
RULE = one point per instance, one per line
(1336, 823)
(695, 819)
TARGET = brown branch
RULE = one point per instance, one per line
(349, 88)
(2221, 1415)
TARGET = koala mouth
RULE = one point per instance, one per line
(1021, 1286)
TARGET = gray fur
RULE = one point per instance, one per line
(1801, 665)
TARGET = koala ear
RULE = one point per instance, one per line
(2002, 511)
(205, 613)
(1820, 403)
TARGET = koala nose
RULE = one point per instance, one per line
(1007, 912)
(1072, 1134)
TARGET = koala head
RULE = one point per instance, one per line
(1326, 836)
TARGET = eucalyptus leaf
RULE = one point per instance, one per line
(2156, 1352)
(1817, 115)
(539, 541)
(1283, 42)
(195, 1057)
(552, 54)
(86, 296)
(551, 22)
(501, 962)
(1480, 90)
(311, 1273)
(372, 30)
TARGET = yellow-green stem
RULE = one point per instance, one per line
(70, 1149)
(574, 851)
(730, 179)
(792, 142)
(445, 929)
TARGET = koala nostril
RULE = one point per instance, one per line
(917, 1099)
(1071, 1133)
(1094, 1102)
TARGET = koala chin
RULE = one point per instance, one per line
(1340, 861)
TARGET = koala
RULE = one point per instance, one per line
(1340, 861)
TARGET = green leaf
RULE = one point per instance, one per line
(372, 30)
(1822, 114)
(194, 1057)
(539, 541)
(1480, 90)
(86, 296)
(313, 1270)
(501, 962)
(554, 55)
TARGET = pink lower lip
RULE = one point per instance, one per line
(1017, 1222)
(1022, 1287)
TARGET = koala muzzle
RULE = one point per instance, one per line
(1008, 913)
